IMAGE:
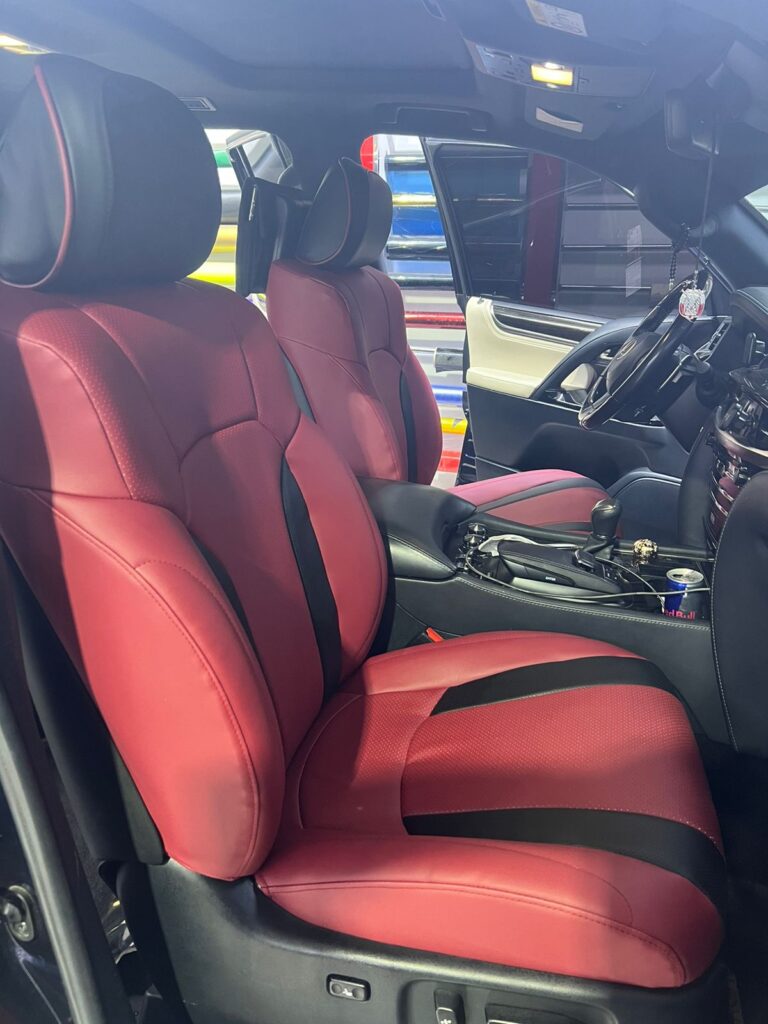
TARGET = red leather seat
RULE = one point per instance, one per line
(341, 325)
(212, 568)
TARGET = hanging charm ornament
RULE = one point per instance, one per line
(693, 301)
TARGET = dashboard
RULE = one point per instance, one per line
(740, 429)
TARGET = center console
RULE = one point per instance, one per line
(597, 570)
(455, 570)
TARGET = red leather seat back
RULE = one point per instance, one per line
(341, 325)
(158, 480)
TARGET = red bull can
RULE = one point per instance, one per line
(688, 601)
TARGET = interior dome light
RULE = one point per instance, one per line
(14, 45)
(557, 75)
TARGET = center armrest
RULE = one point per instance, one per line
(417, 523)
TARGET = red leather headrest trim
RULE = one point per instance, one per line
(82, 204)
(66, 174)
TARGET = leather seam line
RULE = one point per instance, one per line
(162, 605)
(661, 947)
(140, 376)
(218, 430)
(57, 355)
(406, 759)
(548, 693)
(350, 298)
(372, 395)
(387, 306)
(223, 605)
(419, 551)
(464, 843)
(373, 531)
(354, 697)
(541, 491)
(718, 672)
(559, 807)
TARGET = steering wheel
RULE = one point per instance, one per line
(644, 363)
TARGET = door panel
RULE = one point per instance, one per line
(518, 433)
(506, 360)
(543, 253)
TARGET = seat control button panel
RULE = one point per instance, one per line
(349, 988)
(509, 1015)
(449, 1008)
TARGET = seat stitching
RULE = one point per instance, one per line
(377, 404)
(310, 750)
(407, 757)
(217, 430)
(48, 348)
(145, 387)
(663, 948)
(390, 332)
(373, 533)
(246, 761)
(224, 606)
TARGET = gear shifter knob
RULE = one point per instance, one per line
(605, 520)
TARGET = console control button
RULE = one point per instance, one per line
(449, 1008)
(349, 988)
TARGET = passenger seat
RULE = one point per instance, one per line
(341, 325)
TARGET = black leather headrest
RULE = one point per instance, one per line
(349, 221)
(105, 179)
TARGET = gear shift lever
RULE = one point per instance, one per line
(605, 521)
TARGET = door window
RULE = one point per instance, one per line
(535, 229)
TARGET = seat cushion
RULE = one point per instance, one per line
(544, 497)
(527, 799)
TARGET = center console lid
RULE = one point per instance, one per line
(417, 523)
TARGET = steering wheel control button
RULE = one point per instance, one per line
(449, 1008)
(349, 988)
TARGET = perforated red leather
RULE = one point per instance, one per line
(378, 754)
(149, 420)
(344, 334)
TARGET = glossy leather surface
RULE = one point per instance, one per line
(216, 575)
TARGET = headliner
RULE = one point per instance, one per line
(324, 73)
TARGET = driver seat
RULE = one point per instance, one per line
(341, 326)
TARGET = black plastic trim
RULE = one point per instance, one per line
(317, 589)
(668, 844)
(552, 677)
(297, 387)
(225, 582)
(234, 924)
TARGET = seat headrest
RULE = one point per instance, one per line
(349, 221)
(105, 180)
